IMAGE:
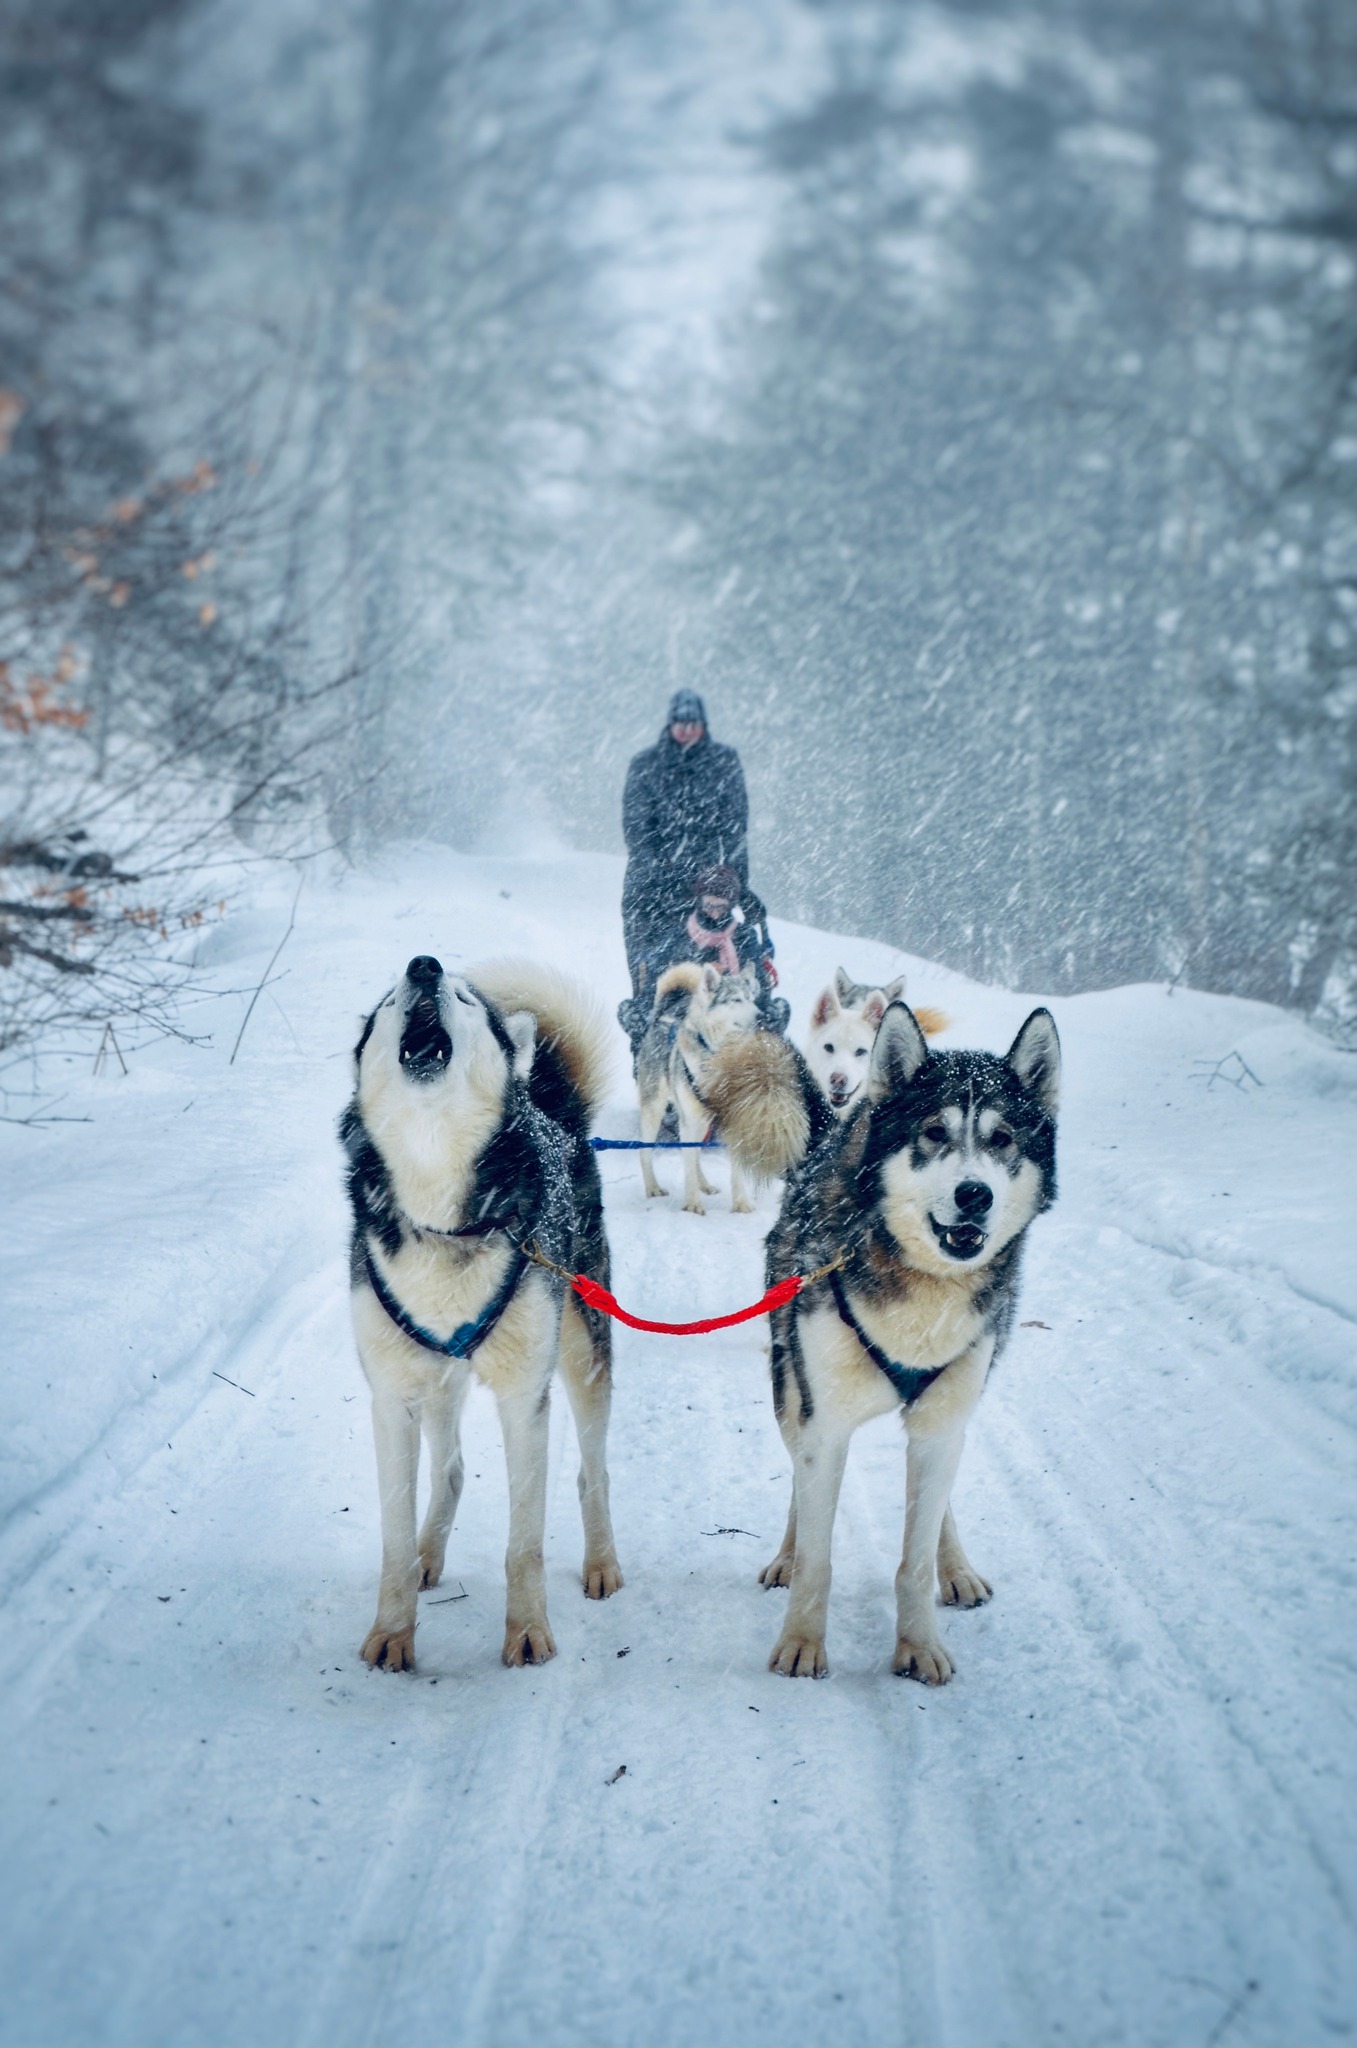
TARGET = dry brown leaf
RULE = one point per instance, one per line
(207, 613)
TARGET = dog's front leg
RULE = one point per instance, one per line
(652, 1116)
(523, 1419)
(740, 1203)
(441, 1418)
(586, 1370)
(779, 1571)
(931, 1465)
(391, 1639)
(692, 1122)
(820, 1455)
(960, 1583)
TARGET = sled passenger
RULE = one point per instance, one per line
(727, 927)
(724, 927)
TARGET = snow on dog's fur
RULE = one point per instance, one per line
(465, 1138)
(925, 1192)
(697, 1011)
(843, 1028)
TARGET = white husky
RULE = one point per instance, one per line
(843, 1028)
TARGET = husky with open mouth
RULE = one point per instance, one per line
(843, 1026)
(466, 1140)
(920, 1202)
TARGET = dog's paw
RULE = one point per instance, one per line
(741, 1208)
(529, 1643)
(392, 1649)
(657, 1190)
(707, 1187)
(799, 1657)
(964, 1588)
(602, 1578)
(779, 1572)
(697, 1207)
(430, 1569)
(926, 1661)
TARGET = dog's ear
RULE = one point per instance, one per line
(876, 1006)
(898, 1054)
(711, 978)
(845, 988)
(521, 1026)
(826, 1006)
(894, 991)
(1035, 1058)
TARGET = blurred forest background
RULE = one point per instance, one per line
(399, 399)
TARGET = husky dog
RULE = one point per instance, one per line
(697, 1009)
(465, 1139)
(924, 1193)
(843, 1028)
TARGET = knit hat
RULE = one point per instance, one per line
(686, 708)
(722, 881)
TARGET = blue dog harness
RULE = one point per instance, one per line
(467, 1337)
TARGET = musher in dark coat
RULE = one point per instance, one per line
(684, 813)
(684, 808)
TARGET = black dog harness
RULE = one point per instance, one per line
(909, 1381)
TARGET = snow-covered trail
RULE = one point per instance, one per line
(1128, 1819)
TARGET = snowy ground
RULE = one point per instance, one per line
(1129, 1819)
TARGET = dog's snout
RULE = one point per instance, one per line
(839, 1083)
(973, 1198)
(424, 968)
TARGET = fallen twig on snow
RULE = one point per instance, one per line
(267, 972)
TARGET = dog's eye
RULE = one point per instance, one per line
(861, 1053)
(828, 1046)
(1000, 1140)
(936, 1134)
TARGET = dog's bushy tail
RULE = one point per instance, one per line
(571, 1065)
(767, 1106)
(930, 1022)
(684, 978)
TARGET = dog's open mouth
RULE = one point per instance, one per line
(958, 1240)
(425, 1045)
(839, 1096)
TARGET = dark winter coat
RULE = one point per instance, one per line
(684, 808)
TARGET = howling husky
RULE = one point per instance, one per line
(697, 1009)
(466, 1142)
(843, 1028)
(919, 1201)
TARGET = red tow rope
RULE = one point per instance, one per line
(598, 1297)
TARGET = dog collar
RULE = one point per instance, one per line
(485, 1228)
